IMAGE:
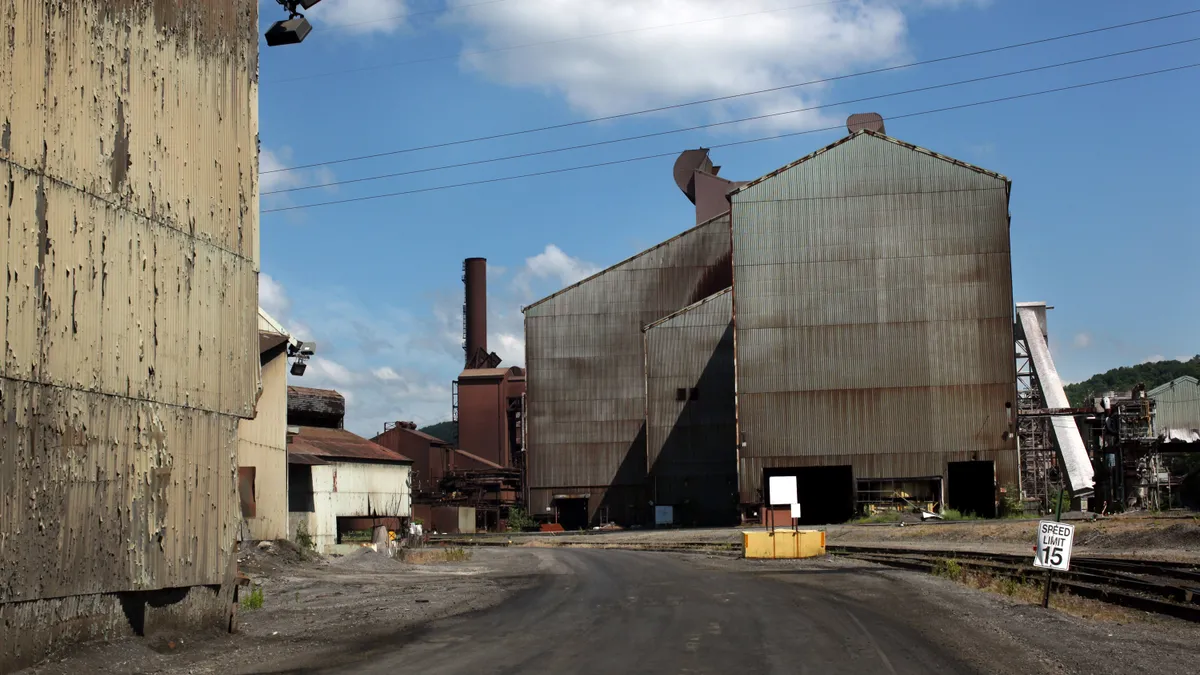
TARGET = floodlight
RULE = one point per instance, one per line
(298, 368)
(289, 32)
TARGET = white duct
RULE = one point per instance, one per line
(1071, 451)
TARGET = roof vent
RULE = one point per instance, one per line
(865, 121)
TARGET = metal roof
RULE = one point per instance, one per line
(1162, 388)
(689, 308)
(612, 267)
(338, 444)
(490, 372)
(880, 136)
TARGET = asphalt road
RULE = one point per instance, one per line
(595, 611)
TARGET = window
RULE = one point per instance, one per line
(694, 393)
(300, 488)
(681, 394)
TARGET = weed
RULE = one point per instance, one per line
(304, 539)
(880, 517)
(426, 556)
(950, 569)
(254, 600)
(457, 555)
(955, 514)
(519, 521)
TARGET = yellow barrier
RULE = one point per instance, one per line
(783, 544)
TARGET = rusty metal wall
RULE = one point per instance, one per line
(131, 254)
(873, 314)
(585, 363)
(483, 418)
(691, 435)
(474, 307)
(1176, 406)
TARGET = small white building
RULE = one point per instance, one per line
(339, 482)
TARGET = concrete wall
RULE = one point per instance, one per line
(262, 444)
(353, 489)
(130, 254)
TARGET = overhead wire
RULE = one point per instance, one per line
(537, 153)
(629, 160)
(717, 99)
(544, 43)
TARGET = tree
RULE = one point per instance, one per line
(1126, 377)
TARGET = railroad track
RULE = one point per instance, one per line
(708, 548)
(1161, 587)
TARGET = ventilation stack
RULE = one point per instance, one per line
(475, 316)
(697, 178)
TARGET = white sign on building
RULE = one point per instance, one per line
(782, 490)
(1054, 542)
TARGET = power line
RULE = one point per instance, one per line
(476, 52)
(675, 106)
(732, 143)
(668, 132)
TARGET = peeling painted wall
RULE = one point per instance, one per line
(128, 198)
(343, 489)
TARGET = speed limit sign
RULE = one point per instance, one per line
(1054, 545)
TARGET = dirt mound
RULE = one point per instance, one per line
(273, 556)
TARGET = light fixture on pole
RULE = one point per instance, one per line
(295, 28)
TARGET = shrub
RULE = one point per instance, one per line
(949, 569)
(519, 521)
(304, 539)
(254, 600)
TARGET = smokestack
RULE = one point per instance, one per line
(475, 308)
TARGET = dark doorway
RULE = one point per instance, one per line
(971, 488)
(572, 513)
(826, 493)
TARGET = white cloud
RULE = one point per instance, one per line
(360, 17)
(386, 374)
(555, 265)
(272, 297)
(687, 56)
(1155, 359)
(1083, 340)
(274, 160)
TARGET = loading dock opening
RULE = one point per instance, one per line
(971, 487)
(826, 493)
(572, 512)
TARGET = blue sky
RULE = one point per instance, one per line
(1104, 204)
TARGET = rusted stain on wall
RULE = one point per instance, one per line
(130, 255)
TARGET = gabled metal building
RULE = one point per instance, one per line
(691, 425)
(586, 437)
(873, 327)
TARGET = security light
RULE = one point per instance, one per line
(298, 368)
(308, 348)
(292, 30)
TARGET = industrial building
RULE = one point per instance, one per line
(262, 441)
(339, 482)
(691, 422)
(129, 314)
(474, 485)
(869, 332)
(586, 376)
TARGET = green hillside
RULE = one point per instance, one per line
(447, 431)
(1126, 377)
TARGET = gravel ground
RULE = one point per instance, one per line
(311, 604)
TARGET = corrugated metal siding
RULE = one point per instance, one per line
(585, 362)
(691, 445)
(873, 304)
(131, 257)
(262, 443)
(1176, 405)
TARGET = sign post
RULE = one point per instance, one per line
(782, 490)
(1054, 542)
